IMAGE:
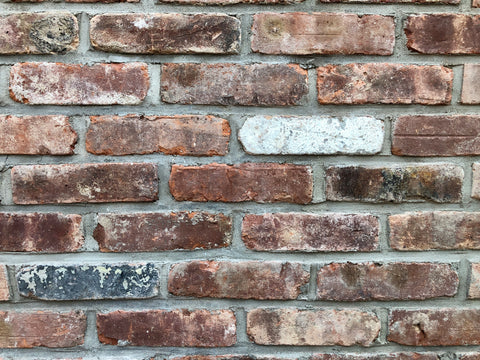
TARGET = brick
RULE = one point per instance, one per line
(160, 232)
(471, 86)
(172, 135)
(227, 357)
(475, 3)
(201, 328)
(474, 289)
(391, 281)
(260, 182)
(312, 135)
(391, 356)
(450, 2)
(42, 328)
(309, 327)
(443, 33)
(310, 232)
(36, 135)
(237, 280)
(379, 83)
(322, 33)
(436, 230)
(38, 33)
(476, 181)
(48, 232)
(469, 356)
(441, 183)
(84, 183)
(4, 288)
(233, 84)
(436, 135)
(229, 2)
(75, 84)
(165, 33)
(435, 327)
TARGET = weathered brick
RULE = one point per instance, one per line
(173, 135)
(36, 135)
(227, 357)
(237, 280)
(233, 84)
(229, 2)
(88, 282)
(475, 3)
(392, 356)
(4, 288)
(391, 281)
(312, 135)
(469, 356)
(310, 232)
(74, 84)
(42, 328)
(165, 33)
(450, 2)
(74, 183)
(201, 328)
(49, 232)
(476, 181)
(38, 33)
(159, 232)
(322, 33)
(435, 327)
(471, 84)
(312, 327)
(441, 183)
(260, 182)
(379, 83)
(474, 289)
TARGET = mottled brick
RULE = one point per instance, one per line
(423, 2)
(469, 356)
(391, 356)
(227, 357)
(474, 289)
(471, 84)
(229, 2)
(476, 180)
(4, 288)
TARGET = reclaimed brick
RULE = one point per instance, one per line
(4, 288)
(172, 135)
(450, 2)
(160, 232)
(476, 181)
(310, 232)
(391, 356)
(200, 328)
(312, 327)
(260, 182)
(475, 3)
(233, 84)
(441, 183)
(471, 85)
(229, 2)
(391, 281)
(75, 84)
(237, 280)
(226, 357)
(379, 83)
(42, 328)
(165, 33)
(77, 183)
(312, 135)
(469, 356)
(322, 33)
(48, 232)
(474, 289)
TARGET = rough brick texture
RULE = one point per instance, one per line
(474, 290)
(476, 181)
(393, 356)
(471, 86)
(4, 287)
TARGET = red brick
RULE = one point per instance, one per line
(201, 328)
(392, 356)
(50, 232)
(474, 289)
(173, 135)
(433, 2)
(475, 3)
(393, 281)
(4, 288)
(233, 84)
(322, 33)
(471, 84)
(384, 84)
(229, 2)
(77, 183)
(310, 232)
(469, 356)
(42, 328)
(237, 280)
(260, 182)
(227, 357)
(74, 84)
(159, 232)
(36, 135)
(476, 181)
(312, 327)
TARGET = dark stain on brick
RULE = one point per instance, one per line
(54, 34)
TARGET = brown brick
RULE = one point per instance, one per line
(74, 183)
(233, 84)
(475, 3)
(474, 290)
(392, 356)
(36, 135)
(74, 84)
(469, 356)
(433, 2)
(476, 181)
(159, 232)
(441, 183)
(322, 33)
(393, 281)
(312, 327)
(202, 328)
(260, 182)
(42, 328)
(229, 2)
(173, 135)
(384, 84)
(165, 33)
(471, 84)
(436, 135)
(4, 288)
(237, 280)
(50, 232)
(310, 232)
(227, 357)
(435, 327)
